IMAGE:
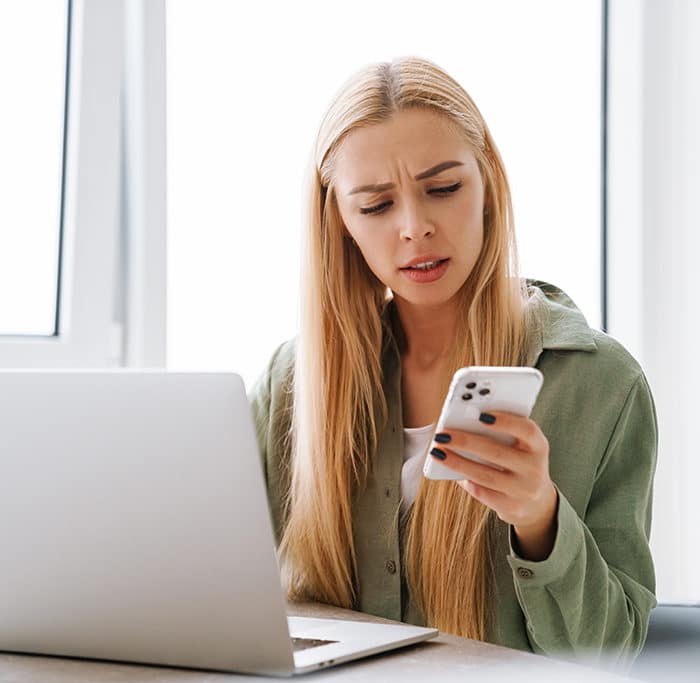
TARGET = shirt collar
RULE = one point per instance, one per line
(556, 323)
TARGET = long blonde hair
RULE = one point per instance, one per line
(339, 407)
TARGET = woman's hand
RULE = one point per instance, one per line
(521, 492)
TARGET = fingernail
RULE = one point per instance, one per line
(437, 453)
(443, 438)
(487, 418)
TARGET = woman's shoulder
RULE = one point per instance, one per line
(595, 405)
(282, 360)
(274, 382)
(559, 331)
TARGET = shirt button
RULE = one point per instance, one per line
(525, 573)
(391, 566)
(387, 493)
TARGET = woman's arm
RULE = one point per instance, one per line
(592, 592)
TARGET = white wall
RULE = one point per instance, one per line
(655, 242)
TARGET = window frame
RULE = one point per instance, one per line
(111, 289)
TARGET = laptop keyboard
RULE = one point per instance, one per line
(299, 644)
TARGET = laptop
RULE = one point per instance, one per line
(134, 526)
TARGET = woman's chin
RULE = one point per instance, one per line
(424, 297)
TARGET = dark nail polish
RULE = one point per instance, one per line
(487, 418)
(443, 438)
(437, 453)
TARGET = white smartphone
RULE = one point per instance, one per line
(480, 389)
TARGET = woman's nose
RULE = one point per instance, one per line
(414, 223)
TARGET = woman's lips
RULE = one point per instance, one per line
(425, 276)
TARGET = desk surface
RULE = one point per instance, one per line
(446, 658)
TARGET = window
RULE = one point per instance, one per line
(94, 315)
(31, 164)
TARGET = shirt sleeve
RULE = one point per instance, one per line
(592, 596)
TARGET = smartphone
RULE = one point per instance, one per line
(480, 389)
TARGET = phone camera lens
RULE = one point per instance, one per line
(471, 385)
(484, 392)
(466, 397)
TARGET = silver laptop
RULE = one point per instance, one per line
(134, 526)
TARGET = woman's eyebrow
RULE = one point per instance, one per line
(438, 169)
(434, 170)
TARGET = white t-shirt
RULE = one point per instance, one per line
(416, 441)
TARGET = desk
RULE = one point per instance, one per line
(445, 658)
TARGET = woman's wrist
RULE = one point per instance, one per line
(536, 541)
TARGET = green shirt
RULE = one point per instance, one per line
(593, 594)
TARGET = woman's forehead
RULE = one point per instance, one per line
(412, 140)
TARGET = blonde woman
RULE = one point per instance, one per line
(410, 272)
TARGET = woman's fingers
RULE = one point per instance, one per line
(526, 432)
(484, 447)
(493, 499)
(531, 444)
(484, 475)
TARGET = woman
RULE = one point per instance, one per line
(410, 272)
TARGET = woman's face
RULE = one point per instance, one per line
(410, 193)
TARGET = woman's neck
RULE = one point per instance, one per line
(429, 332)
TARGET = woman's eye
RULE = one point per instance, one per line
(376, 209)
(446, 190)
(437, 190)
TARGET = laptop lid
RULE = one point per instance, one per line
(132, 510)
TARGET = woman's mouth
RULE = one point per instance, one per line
(426, 271)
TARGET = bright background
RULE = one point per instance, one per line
(247, 85)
